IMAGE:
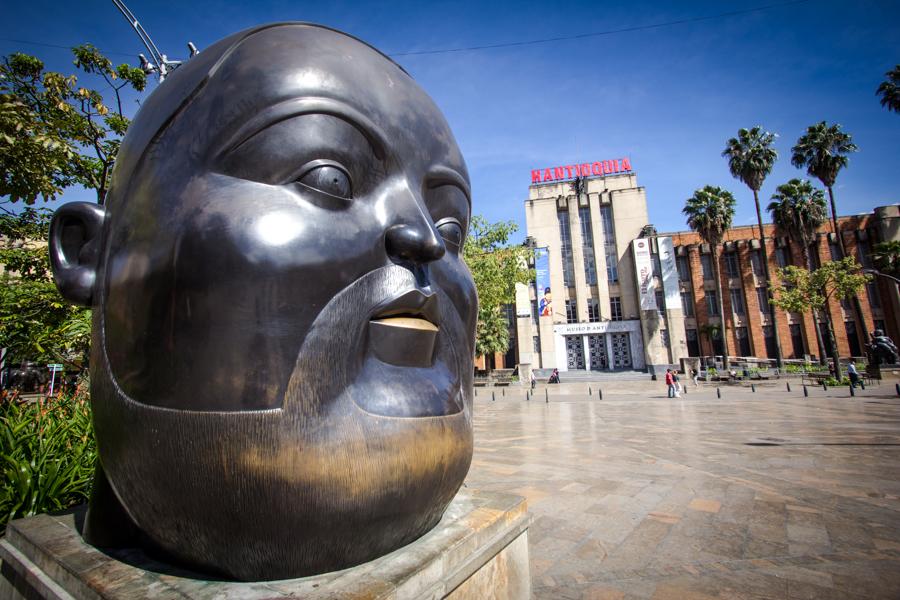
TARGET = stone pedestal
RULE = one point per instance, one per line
(478, 550)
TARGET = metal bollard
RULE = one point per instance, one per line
(476, 392)
(599, 394)
(852, 391)
(805, 391)
(898, 389)
(824, 386)
(589, 390)
(788, 385)
(546, 395)
(753, 387)
(503, 391)
(718, 392)
(493, 397)
(862, 384)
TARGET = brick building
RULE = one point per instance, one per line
(750, 332)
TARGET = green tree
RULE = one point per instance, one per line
(889, 90)
(55, 133)
(798, 209)
(496, 267)
(36, 323)
(710, 212)
(886, 256)
(801, 290)
(750, 159)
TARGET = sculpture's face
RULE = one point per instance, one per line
(285, 326)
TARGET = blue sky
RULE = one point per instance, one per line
(666, 97)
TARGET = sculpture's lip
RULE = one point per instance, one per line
(403, 330)
(410, 309)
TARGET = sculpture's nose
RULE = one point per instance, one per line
(416, 242)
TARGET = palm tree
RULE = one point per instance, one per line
(750, 159)
(889, 90)
(710, 212)
(798, 209)
(822, 150)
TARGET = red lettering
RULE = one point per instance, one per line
(597, 169)
(535, 176)
(585, 170)
(548, 175)
(615, 165)
(559, 172)
(568, 170)
(626, 164)
(607, 167)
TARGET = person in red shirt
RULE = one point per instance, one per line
(670, 383)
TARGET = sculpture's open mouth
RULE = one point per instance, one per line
(403, 330)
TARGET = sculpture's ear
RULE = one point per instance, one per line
(75, 249)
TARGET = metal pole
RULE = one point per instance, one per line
(52, 379)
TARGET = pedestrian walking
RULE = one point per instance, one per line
(670, 383)
(695, 374)
(533, 381)
(853, 374)
(677, 384)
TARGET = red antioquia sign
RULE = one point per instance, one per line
(600, 167)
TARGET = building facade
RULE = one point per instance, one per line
(612, 294)
(599, 302)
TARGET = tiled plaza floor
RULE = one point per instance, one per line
(762, 495)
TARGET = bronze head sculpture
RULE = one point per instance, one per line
(283, 335)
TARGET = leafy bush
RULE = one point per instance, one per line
(807, 368)
(48, 454)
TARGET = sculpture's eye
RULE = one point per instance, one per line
(452, 232)
(328, 178)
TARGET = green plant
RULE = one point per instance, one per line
(48, 454)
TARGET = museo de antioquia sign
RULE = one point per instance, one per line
(597, 168)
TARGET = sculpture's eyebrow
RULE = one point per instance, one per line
(309, 105)
(440, 175)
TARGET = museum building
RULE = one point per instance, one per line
(612, 294)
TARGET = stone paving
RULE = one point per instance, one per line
(762, 495)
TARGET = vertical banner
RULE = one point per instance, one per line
(669, 272)
(643, 270)
(542, 281)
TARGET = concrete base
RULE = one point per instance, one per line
(478, 550)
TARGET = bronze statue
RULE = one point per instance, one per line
(283, 324)
(881, 349)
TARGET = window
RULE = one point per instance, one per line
(664, 337)
(565, 239)
(737, 302)
(846, 304)
(782, 258)
(756, 264)
(863, 251)
(853, 338)
(687, 303)
(874, 298)
(609, 234)
(615, 308)
(762, 296)
(706, 264)
(693, 344)
(593, 310)
(571, 312)
(732, 267)
(769, 338)
(660, 302)
(612, 266)
(835, 251)
(712, 304)
(743, 341)
(587, 246)
(684, 269)
(797, 341)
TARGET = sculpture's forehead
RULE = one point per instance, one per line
(300, 61)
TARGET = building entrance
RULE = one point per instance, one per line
(597, 350)
(621, 349)
(574, 352)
